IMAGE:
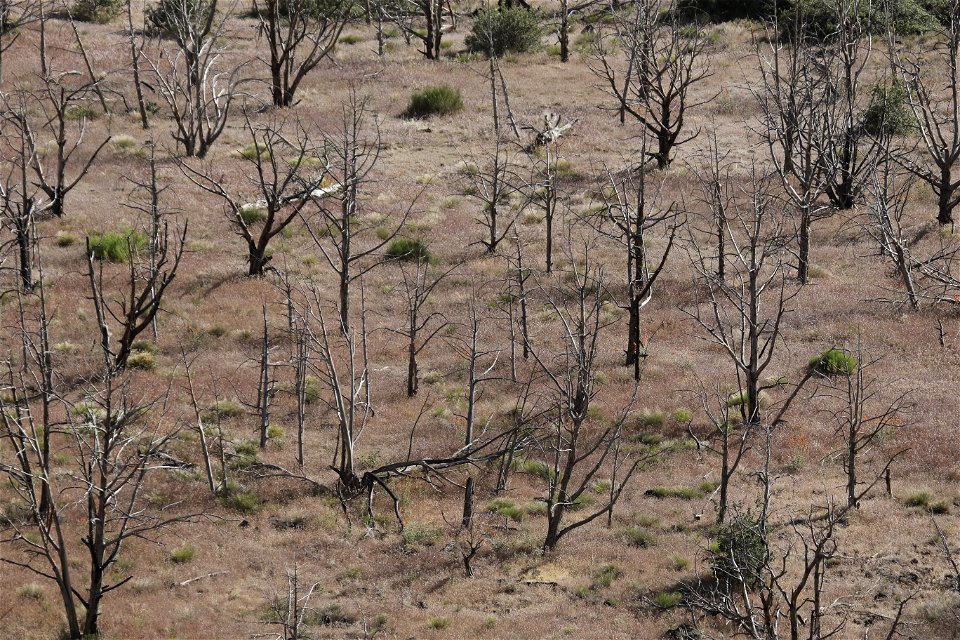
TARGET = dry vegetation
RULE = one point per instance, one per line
(222, 564)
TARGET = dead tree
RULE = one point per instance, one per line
(793, 96)
(422, 325)
(926, 264)
(493, 180)
(664, 62)
(291, 611)
(864, 420)
(298, 34)
(15, 17)
(715, 182)
(340, 227)
(577, 450)
(744, 313)
(422, 20)
(22, 200)
(136, 52)
(138, 299)
(936, 106)
(631, 216)
(287, 173)
(56, 101)
(191, 79)
(116, 444)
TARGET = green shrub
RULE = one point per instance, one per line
(115, 246)
(183, 554)
(889, 113)
(274, 432)
(161, 19)
(833, 362)
(242, 501)
(65, 239)
(350, 39)
(409, 249)
(498, 32)
(226, 409)
(441, 100)
(739, 551)
(919, 499)
(101, 11)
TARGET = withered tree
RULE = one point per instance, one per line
(664, 62)
(287, 172)
(299, 34)
(493, 180)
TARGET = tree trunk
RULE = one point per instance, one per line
(944, 208)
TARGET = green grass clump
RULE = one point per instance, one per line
(251, 214)
(253, 151)
(142, 360)
(350, 39)
(919, 499)
(31, 591)
(833, 362)
(114, 246)
(65, 239)
(274, 432)
(183, 554)
(409, 249)
(420, 535)
(534, 467)
(506, 508)
(605, 575)
(639, 537)
(242, 501)
(439, 623)
(222, 409)
(441, 100)
(667, 599)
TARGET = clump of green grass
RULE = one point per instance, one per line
(605, 575)
(114, 246)
(183, 554)
(409, 249)
(65, 239)
(441, 100)
(639, 537)
(439, 623)
(274, 432)
(251, 214)
(420, 535)
(350, 38)
(833, 362)
(684, 493)
(652, 418)
(242, 501)
(142, 360)
(31, 591)
(680, 563)
(223, 409)
(534, 467)
(253, 151)
(667, 599)
(506, 508)
(123, 142)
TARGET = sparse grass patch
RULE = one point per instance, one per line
(350, 38)
(605, 575)
(506, 508)
(639, 537)
(420, 535)
(123, 142)
(667, 599)
(242, 501)
(30, 591)
(439, 623)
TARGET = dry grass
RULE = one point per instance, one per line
(411, 585)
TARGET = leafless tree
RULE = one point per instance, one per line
(140, 296)
(422, 325)
(744, 313)
(793, 96)
(287, 173)
(136, 52)
(577, 448)
(864, 420)
(494, 180)
(664, 62)
(15, 17)
(936, 105)
(924, 262)
(298, 34)
(631, 216)
(116, 443)
(191, 78)
(290, 612)
(409, 15)
(341, 228)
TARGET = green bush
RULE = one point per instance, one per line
(833, 362)
(441, 100)
(506, 508)
(101, 11)
(243, 501)
(115, 246)
(889, 113)
(161, 19)
(409, 249)
(739, 551)
(251, 214)
(639, 537)
(497, 32)
(142, 360)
